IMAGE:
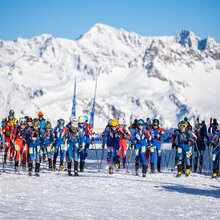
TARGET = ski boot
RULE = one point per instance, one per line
(124, 162)
(110, 170)
(117, 166)
(69, 168)
(5, 158)
(179, 169)
(158, 168)
(76, 168)
(11, 159)
(30, 169)
(187, 172)
(50, 164)
(23, 165)
(81, 166)
(144, 170)
(54, 165)
(200, 166)
(136, 169)
(215, 173)
(37, 169)
(178, 174)
(61, 165)
(152, 167)
(16, 166)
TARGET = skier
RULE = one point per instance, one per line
(9, 132)
(140, 141)
(74, 141)
(215, 141)
(189, 126)
(123, 142)
(183, 140)
(212, 129)
(199, 147)
(88, 134)
(12, 113)
(84, 132)
(174, 145)
(71, 120)
(156, 135)
(41, 120)
(48, 141)
(34, 135)
(112, 137)
(59, 132)
(20, 146)
(134, 125)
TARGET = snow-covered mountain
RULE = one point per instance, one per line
(164, 77)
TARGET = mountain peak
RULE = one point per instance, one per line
(188, 39)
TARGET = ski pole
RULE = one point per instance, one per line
(131, 152)
(96, 153)
(210, 152)
(103, 148)
(165, 161)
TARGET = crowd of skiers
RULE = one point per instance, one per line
(31, 141)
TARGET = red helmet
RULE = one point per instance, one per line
(40, 114)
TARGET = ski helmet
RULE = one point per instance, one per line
(121, 121)
(156, 122)
(11, 112)
(74, 125)
(203, 122)
(22, 121)
(183, 124)
(35, 122)
(29, 119)
(148, 121)
(11, 117)
(114, 123)
(86, 118)
(185, 119)
(72, 119)
(140, 122)
(214, 120)
(40, 114)
(61, 122)
(198, 126)
(81, 119)
(135, 121)
(48, 124)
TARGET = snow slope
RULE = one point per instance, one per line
(163, 77)
(98, 195)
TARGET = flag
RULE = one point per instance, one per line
(74, 101)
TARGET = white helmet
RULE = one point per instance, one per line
(74, 124)
(73, 119)
(81, 119)
(121, 121)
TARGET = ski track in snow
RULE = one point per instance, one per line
(98, 195)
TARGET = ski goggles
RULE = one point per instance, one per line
(22, 123)
(182, 126)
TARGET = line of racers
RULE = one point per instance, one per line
(34, 140)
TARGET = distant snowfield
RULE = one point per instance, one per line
(98, 195)
(139, 77)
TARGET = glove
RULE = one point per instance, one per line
(1, 146)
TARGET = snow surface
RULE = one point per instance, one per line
(98, 195)
(166, 77)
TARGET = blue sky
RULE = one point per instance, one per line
(72, 18)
